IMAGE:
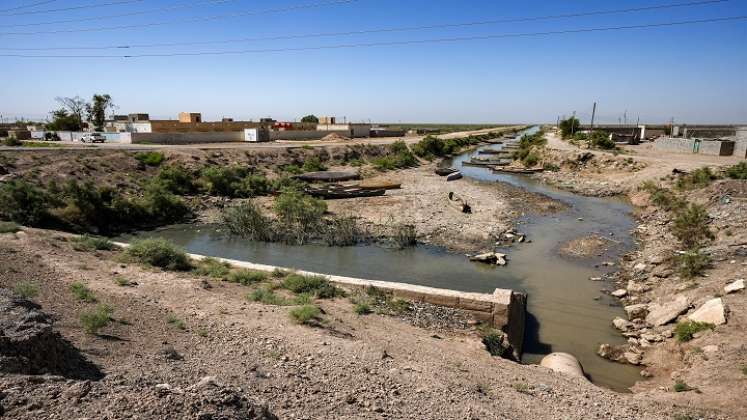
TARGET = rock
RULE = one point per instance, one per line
(619, 293)
(622, 324)
(656, 259)
(637, 311)
(660, 314)
(490, 258)
(204, 382)
(712, 312)
(662, 271)
(632, 358)
(640, 267)
(710, 349)
(634, 287)
(563, 363)
(735, 286)
(652, 337)
(646, 373)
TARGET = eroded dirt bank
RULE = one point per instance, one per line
(237, 356)
(663, 293)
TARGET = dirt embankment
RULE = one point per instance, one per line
(709, 369)
(229, 357)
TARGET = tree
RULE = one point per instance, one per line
(313, 119)
(75, 106)
(569, 126)
(97, 110)
(62, 120)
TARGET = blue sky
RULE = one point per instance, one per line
(693, 73)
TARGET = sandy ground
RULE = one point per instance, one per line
(423, 202)
(353, 367)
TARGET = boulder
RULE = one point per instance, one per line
(622, 324)
(734, 287)
(632, 358)
(640, 267)
(637, 311)
(664, 313)
(619, 293)
(634, 287)
(712, 312)
(563, 363)
(662, 271)
(490, 258)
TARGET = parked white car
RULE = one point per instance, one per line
(93, 138)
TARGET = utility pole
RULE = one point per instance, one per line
(593, 114)
(625, 117)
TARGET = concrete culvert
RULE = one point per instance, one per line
(564, 363)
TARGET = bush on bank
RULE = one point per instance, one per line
(158, 253)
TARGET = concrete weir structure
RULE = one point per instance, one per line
(503, 309)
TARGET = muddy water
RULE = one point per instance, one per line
(563, 313)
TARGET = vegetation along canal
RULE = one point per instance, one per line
(566, 310)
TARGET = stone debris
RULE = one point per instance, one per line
(664, 313)
(622, 324)
(734, 287)
(619, 293)
(637, 311)
(712, 312)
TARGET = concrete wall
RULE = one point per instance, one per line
(305, 134)
(503, 309)
(716, 148)
(187, 138)
(675, 145)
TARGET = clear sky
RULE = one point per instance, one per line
(692, 73)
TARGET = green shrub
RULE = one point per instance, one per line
(121, 281)
(159, 253)
(9, 227)
(738, 171)
(601, 140)
(162, 206)
(246, 277)
(680, 386)
(319, 286)
(690, 226)
(247, 220)
(303, 299)
(92, 243)
(692, 263)
(342, 231)
(530, 160)
(362, 308)
(150, 158)
(26, 289)
(286, 183)
(306, 314)
(267, 296)
(212, 267)
(82, 292)
(12, 142)
(233, 181)
(176, 180)
(92, 321)
(299, 216)
(494, 341)
(698, 178)
(313, 164)
(278, 273)
(569, 126)
(24, 203)
(176, 322)
(398, 156)
(291, 169)
(686, 330)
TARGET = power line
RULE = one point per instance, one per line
(40, 3)
(373, 31)
(81, 7)
(200, 19)
(394, 43)
(181, 6)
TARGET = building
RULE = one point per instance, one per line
(190, 117)
(352, 130)
(327, 120)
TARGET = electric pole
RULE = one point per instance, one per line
(573, 122)
(593, 114)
